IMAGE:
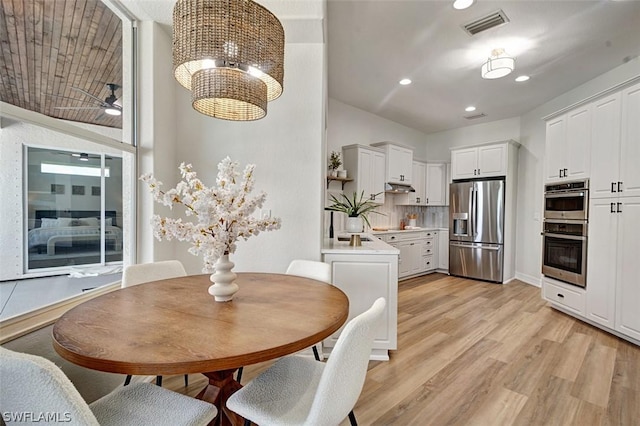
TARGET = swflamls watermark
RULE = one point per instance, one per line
(35, 416)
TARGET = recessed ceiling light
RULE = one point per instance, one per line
(405, 81)
(462, 4)
(522, 78)
(470, 108)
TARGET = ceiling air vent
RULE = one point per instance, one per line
(492, 20)
(473, 117)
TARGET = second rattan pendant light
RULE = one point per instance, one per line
(230, 55)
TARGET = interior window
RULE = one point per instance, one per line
(74, 209)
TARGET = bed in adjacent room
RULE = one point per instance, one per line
(71, 229)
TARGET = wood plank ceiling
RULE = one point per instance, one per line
(50, 47)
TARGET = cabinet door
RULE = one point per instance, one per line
(399, 163)
(605, 147)
(577, 154)
(492, 160)
(601, 261)
(443, 250)
(464, 163)
(415, 252)
(377, 177)
(555, 148)
(405, 259)
(366, 164)
(630, 142)
(436, 175)
(418, 182)
(628, 282)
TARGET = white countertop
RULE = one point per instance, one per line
(375, 246)
(408, 230)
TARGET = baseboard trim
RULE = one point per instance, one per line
(528, 279)
(17, 326)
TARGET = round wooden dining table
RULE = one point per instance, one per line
(174, 326)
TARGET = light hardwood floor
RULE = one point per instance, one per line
(474, 353)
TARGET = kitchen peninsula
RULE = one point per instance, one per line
(365, 273)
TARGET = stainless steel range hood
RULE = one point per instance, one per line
(396, 188)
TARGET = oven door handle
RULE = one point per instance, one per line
(564, 236)
(564, 194)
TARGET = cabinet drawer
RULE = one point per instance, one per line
(427, 262)
(559, 294)
(427, 250)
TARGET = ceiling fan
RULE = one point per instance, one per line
(110, 105)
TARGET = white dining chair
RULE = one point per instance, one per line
(147, 272)
(300, 391)
(308, 269)
(33, 387)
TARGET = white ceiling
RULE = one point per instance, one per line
(373, 44)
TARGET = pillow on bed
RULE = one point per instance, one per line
(65, 221)
(108, 221)
(90, 221)
(48, 222)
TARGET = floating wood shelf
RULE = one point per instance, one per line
(339, 179)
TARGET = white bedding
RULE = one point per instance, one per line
(41, 236)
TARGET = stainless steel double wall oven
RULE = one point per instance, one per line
(565, 229)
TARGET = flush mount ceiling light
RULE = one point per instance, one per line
(522, 78)
(405, 81)
(230, 55)
(498, 64)
(462, 4)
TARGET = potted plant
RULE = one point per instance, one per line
(334, 162)
(356, 208)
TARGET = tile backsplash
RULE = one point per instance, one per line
(428, 217)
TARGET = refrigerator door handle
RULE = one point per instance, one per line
(472, 213)
(475, 246)
(475, 212)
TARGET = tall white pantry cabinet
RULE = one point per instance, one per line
(611, 298)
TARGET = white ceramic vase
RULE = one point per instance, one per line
(224, 286)
(354, 224)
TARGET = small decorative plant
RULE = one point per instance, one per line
(354, 206)
(334, 160)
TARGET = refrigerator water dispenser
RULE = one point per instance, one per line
(460, 224)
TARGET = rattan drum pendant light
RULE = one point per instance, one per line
(230, 54)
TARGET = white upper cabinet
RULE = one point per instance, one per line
(418, 180)
(605, 147)
(567, 145)
(481, 161)
(630, 143)
(615, 145)
(366, 166)
(399, 162)
(436, 175)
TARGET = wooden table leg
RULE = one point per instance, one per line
(221, 386)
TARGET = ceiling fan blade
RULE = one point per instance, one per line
(88, 94)
(78, 108)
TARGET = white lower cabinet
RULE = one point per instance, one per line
(613, 265)
(566, 296)
(443, 250)
(364, 278)
(418, 251)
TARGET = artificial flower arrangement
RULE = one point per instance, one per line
(222, 214)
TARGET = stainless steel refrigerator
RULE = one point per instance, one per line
(476, 229)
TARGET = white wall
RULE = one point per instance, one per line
(348, 125)
(287, 147)
(439, 144)
(157, 143)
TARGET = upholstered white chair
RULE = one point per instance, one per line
(147, 272)
(300, 391)
(33, 386)
(309, 269)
